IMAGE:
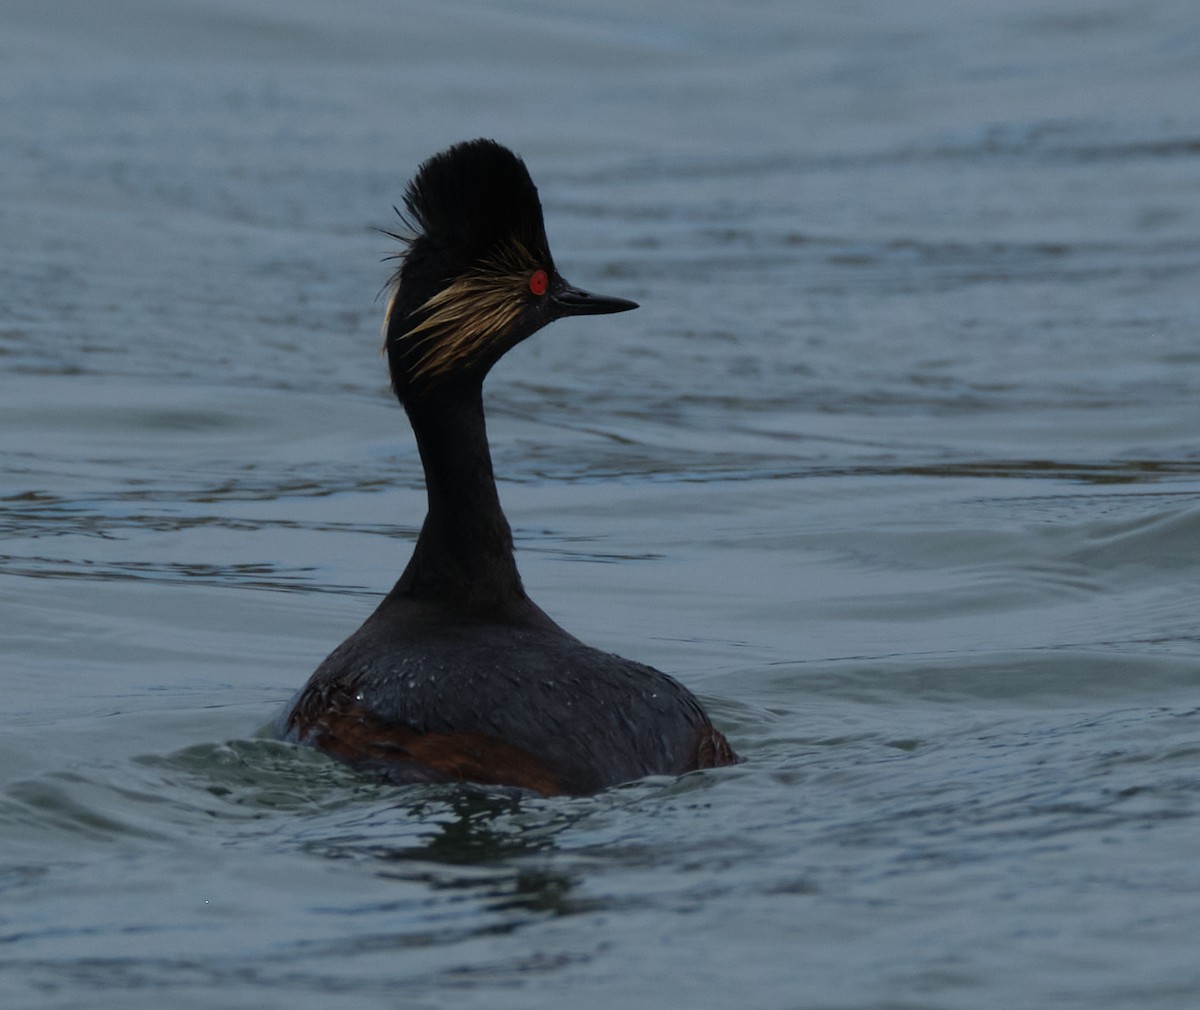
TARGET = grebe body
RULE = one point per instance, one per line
(458, 675)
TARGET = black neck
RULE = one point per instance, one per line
(464, 555)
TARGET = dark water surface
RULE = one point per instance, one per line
(897, 467)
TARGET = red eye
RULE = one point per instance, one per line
(539, 282)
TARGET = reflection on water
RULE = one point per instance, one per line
(896, 466)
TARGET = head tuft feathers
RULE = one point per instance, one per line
(470, 202)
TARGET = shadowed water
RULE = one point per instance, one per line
(896, 467)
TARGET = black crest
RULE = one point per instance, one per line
(472, 200)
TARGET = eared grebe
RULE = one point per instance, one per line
(458, 675)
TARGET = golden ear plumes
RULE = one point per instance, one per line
(477, 308)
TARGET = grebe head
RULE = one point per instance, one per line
(476, 276)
